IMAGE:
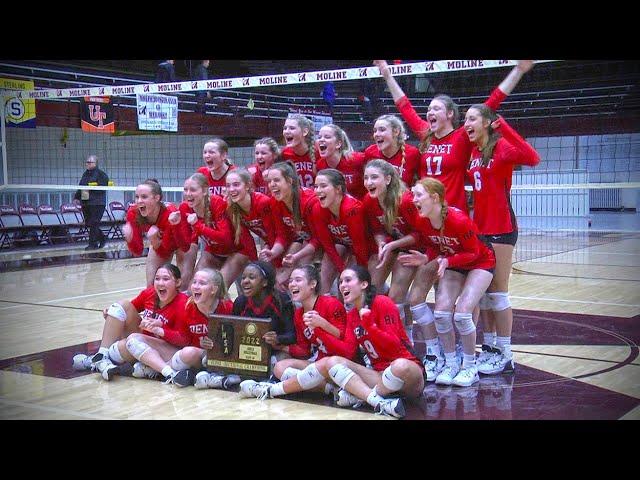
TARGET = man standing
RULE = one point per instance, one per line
(93, 201)
(201, 73)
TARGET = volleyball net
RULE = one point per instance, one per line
(580, 116)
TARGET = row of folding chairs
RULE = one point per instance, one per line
(31, 226)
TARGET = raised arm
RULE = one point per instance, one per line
(510, 82)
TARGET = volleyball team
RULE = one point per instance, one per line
(310, 233)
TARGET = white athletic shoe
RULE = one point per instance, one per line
(498, 364)
(488, 352)
(433, 365)
(466, 377)
(251, 388)
(140, 370)
(346, 399)
(448, 373)
(391, 407)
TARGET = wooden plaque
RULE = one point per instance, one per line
(238, 346)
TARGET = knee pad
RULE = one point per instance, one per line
(117, 311)
(500, 301)
(136, 347)
(288, 373)
(176, 362)
(390, 381)
(443, 321)
(341, 374)
(464, 322)
(422, 314)
(114, 354)
(485, 302)
(309, 377)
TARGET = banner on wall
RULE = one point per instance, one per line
(96, 115)
(317, 116)
(157, 112)
(19, 112)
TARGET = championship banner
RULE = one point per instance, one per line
(19, 112)
(96, 115)
(318, 117)
(157, 112)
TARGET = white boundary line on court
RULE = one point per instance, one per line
(71, 298)
(545, 299)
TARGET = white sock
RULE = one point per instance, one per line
(489, 338)
(104, 351)
(433, 347)
(450, 358)
(277, 389)
(504, 344)
(374, 399)
(329, 388)
(468, 360)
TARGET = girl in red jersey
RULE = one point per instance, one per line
(465, 269)
(390, 137)
(345, 218)
(151, 216)
(266, 153)
(373, 324)
(251, 210)
(336, 152)
(444, 147)
(391, 216)
(318, 313)
(208, 295)
(300, 149)
(204, 216)
(490, 172)
(217, 165)
(299, 226)
(162, 329)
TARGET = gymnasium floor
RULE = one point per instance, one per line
(576, 333)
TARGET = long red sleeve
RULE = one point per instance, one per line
(527, 155)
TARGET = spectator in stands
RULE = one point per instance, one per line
(201, 73)
(93, 201)
(166, 72)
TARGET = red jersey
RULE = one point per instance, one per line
(380, 333)
(172, 316)
(405, 220)
(492, 210)
(216, 187)
(167, 232)
(352, 168)
(308, 345)
(218, 236)
(198, 322)
(349, 228)
(260, 218)
(408, 168)
(305, 167)
(314, 229)
(258, 180)
(458, 241)
(446, 158)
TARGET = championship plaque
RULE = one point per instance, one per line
(238, 346)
